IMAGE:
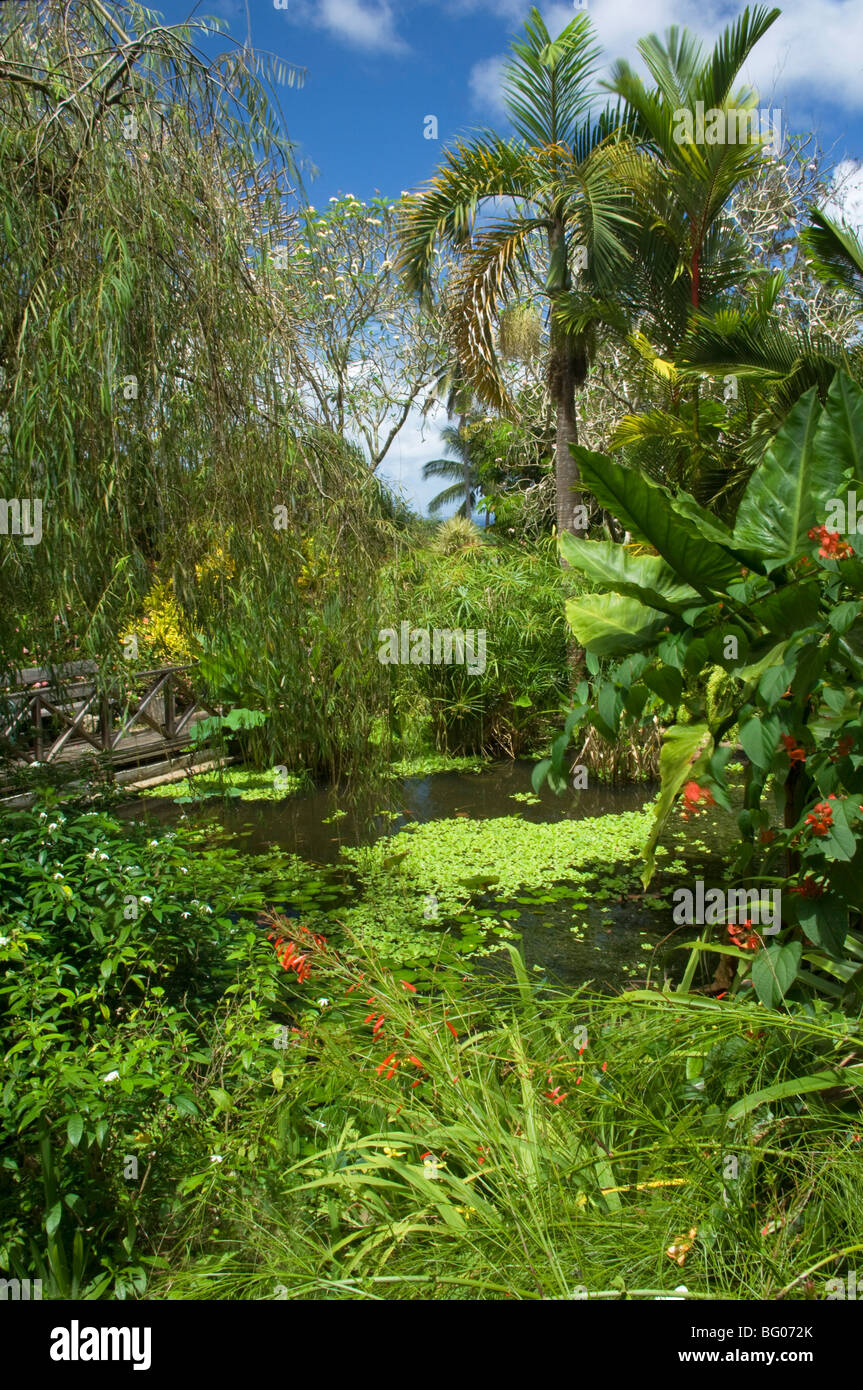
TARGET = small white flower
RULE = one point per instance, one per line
(323, 1003)
(196, 902)
(184, 871)
(4, 940)
(154, 844)
(42, 815)
(58, 878)
(207, 910)
(92, 854)
(216, 1158)
(145, 900)
(111, 1076)
(52, 825)
(187, 915)
(103, 856)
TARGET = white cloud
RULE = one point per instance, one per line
(847, 201)
(364, 24)
(416, 442)
(485, 86)
(814, 50)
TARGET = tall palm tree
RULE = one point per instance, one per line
(688, 255)
(564, 204)
(687, 258)
(459, 466)
(776, 358)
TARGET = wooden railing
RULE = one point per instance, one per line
(60, 714)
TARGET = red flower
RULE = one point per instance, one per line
(767, 837)
(450, 1027)
(385, 1063)
(795, 754)
(821, 819)
(831, 547)
(746, 940)
(556, 1096)
(694, 796)
(808, 888)
(406, 984)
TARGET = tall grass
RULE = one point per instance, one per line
(577, 1142)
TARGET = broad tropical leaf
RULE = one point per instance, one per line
(608, 625)
(647, 511)
(646, 578)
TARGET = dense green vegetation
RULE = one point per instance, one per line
(236, 1075)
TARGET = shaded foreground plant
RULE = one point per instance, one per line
(496, 1142)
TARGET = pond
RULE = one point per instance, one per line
(474, 858)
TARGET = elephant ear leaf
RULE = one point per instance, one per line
(608, 625)
(778, 508)
(839, 439)
(683, 746)
(647, 511)
(646, 578)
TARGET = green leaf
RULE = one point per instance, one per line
(607, 625)
(825, 922)
(682, 746)
(644, 577)
(839, 438)
(221, 1099)
(537, 777)
(774, 971)
(759, 738)
(52, 1220)
(667, 683)
(646, 510)
(796, 1086)
(74, 1131)
(777, 509)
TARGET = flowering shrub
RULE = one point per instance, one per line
(774, 605)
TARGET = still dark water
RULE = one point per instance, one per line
(620, 940)
(304, 824)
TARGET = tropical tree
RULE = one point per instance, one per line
(687, 255)
(564, 221)
(459, 466)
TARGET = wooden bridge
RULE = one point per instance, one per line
(71, 713)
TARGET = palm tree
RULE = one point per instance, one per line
(459, 466)
(687, 258)
(565, 207)
(688, 255)
(777, 359)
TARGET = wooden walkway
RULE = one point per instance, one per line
(68, 713)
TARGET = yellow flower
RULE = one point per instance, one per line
(466, 1212)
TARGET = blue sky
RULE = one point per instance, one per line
(377, 68)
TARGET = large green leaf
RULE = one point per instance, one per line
(796, 1086)
(644, 577)
(608, 625)
(774, 971)
(682, 747)
(647, 511)
(839, 439)
(778, 509)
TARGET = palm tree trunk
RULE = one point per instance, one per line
(462, 421)
(563, 378)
